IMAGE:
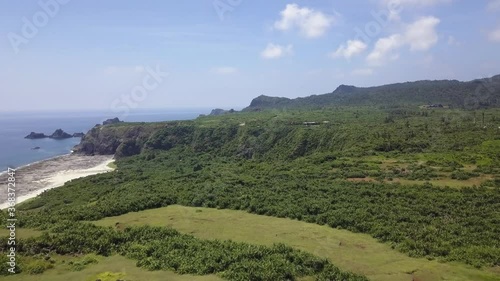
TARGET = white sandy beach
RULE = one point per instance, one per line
(34, 179)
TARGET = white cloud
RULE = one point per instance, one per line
(362, 72)
(494, 5)
(309, 22)
(353, 48)
(416, 3)
(422, 35)
(419, 36)
(273, 51)
(224, 70)
(397, 6)
(385, 48)
(494, 35)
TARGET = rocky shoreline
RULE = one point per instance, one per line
(35, 178)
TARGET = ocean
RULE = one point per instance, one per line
(16, 151)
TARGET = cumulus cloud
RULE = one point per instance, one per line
(419, 36)
(224, 70)
(352, 48)
(494, 35)
(422, 35)
(385, 48)
(309, 22)
(273, 51)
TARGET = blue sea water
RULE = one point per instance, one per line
(16, 151)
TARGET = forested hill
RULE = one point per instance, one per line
(481, 93)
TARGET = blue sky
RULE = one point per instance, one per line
(112, 55)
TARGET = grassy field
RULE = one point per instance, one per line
(108, 269)
(447, 182)
(355, 252)
(403, 163)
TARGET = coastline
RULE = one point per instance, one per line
(37, 162)
(35, 178)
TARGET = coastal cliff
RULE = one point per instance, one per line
(127, 139)
(122, 139)
(231, 134)
(235, 137)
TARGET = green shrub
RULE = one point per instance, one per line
(4, 265)
(354, 174)
(463, 175)
(83, 262)
(38, 267)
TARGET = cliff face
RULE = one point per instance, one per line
(98, 142)
(127, 139)
(291, 135)
(252, 139)
(120, 139)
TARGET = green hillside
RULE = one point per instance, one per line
(482, 93)
(423, 181)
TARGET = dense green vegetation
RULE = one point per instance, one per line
(157, 248)
(481, 93)
(271, 163)
(419, 220)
